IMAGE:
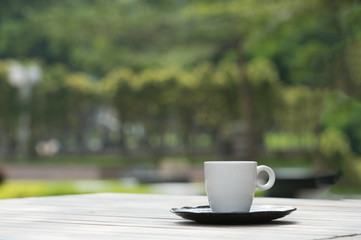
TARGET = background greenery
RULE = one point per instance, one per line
(246, 79)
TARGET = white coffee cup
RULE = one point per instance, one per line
(230, 185)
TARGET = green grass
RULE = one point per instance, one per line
(33, 188)
(37, 188)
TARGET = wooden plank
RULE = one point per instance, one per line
(132, 216)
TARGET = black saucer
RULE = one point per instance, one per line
(257, 214)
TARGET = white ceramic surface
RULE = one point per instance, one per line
(230, 185)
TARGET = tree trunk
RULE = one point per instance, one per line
(247, 109)
(3, 143)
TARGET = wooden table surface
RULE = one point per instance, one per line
(137, 216)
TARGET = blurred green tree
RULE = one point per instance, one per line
(9, 109)
(183, 66)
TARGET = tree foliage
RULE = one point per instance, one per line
(188, 66)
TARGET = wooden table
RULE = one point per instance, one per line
(136, 216)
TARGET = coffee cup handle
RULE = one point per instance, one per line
(271, 177)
